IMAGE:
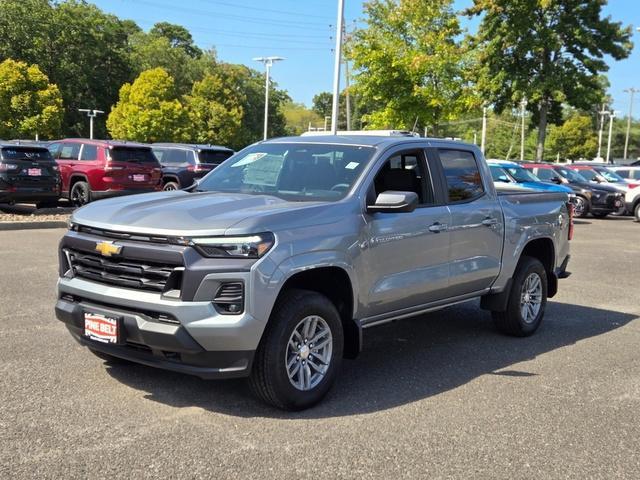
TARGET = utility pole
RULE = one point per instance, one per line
(631, 92)
(611, 117)
(602, 113)
(91, 113)
(523, 106)
(346, 91)
(268, 63)
(483, 137)
(336, 68)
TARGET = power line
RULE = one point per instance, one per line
(259, 9)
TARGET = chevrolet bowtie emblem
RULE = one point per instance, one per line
(108, 248)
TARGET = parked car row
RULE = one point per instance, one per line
(84, 170)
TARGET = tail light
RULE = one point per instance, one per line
(198, 168)
(634, 185)
(8, 167)
(110, 167)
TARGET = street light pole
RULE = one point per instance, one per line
(631, 92)
(268, 63)
(611, 117)
(602, 113)
(91, 113)
(523, 106)
(336, 68)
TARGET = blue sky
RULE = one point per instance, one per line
(302, 31)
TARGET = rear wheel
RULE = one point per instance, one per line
(636, 212)
(300, 353)
(168, 186)
(527, 300)
(80, 194)
(580, 207)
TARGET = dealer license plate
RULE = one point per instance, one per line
(100, 327)
(139, 178)
(34, 172)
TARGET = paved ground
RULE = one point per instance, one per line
(443, 395)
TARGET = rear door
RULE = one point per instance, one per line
(137, 166)
(406, 262)
(32, 168)
(476, 226)
(67, 159)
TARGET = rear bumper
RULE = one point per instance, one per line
(147, 340)
(28, 195)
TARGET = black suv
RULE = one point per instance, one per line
(182, 163)
(28, 173)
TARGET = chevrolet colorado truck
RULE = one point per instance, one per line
(272, 265)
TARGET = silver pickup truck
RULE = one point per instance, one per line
(272, 265)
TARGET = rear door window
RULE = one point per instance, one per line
(89, 152)
(69, 151)
(213, 156)
(464, 182)
(132, 154)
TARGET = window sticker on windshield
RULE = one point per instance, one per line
(352, 165)
(252, 157)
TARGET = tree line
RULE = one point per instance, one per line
(414, 67)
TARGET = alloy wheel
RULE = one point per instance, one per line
(309, 352)
(531, 298)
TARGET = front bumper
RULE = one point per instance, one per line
(187, 338)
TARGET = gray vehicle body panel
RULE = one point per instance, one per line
(397, 267)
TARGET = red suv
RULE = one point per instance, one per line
(95, 169)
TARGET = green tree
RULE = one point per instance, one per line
(29, 104)
(409, 65)
(574, 139)
(550, 52)
(148, 111)
(299, 117)
(178, 36)
(215, 109)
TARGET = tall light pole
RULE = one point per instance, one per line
(523, 106)
(631, 92)
(336, 68)
(268, 63)
(483, 137)
(611, 117)
(602, 113)
(91, 113)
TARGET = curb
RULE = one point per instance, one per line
(4, 226)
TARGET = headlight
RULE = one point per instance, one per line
(70, 224)
(249, 246)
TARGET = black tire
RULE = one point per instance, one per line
(171, 185)
(599, 214)
(108, 358)
(269, 379)
(581, 208)
(80, 194)
(636, 212)
(511, 321)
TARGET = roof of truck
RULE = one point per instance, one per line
(367, 140)
(191, 146)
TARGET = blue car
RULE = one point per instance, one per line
(511, 172)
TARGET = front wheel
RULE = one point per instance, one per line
(636, 212)
(580, 207)
(527, 300)
(300, 353)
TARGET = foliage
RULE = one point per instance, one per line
(178, 36)
(575, 139)
(29, 104)
(299, 117)
(547, 51)
(409, 65)
(148, 111)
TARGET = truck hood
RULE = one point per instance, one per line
(179, 213)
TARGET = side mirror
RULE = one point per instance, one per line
(504, 179)
(392, 201)
(557, 180)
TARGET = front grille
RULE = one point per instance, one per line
(126, 272)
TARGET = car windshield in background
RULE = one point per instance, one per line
(26, 153)
(213, 156)
(132, 154)
(572, 175)
(521, 175)
(590, 175)
(292, 171)
(610, 175)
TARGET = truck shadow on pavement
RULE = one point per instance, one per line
(402, 362)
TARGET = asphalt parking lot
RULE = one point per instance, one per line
(441, 395)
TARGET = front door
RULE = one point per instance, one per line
(406, 262)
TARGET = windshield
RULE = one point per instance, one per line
(498, 174)
(132, 154)
(292, 171)
(571, 175)
(610, 175)
(521, 174)
(590, 175)
(547, 175)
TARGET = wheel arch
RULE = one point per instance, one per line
(75, 178)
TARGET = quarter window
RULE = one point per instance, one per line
(464, 181)
(89, 152)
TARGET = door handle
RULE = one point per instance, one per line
(438, 227)
(489, 222)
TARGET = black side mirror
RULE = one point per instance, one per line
(392, 201)
(557, 180)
